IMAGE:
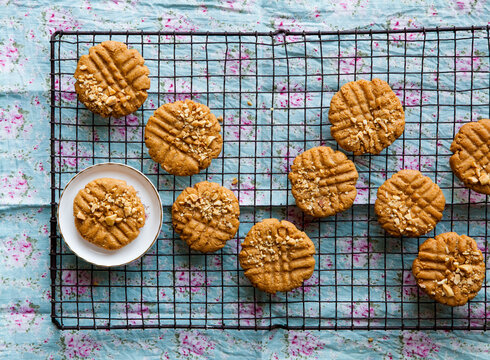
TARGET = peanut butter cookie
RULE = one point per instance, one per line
(276, 256)
(450, 268)
(108, 213)
(183, 137)
(409, 204)
(471, 159)
(366, 116)
(112, 80)
(323, 181)
(206, 216)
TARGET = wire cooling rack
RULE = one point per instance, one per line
(273, 91)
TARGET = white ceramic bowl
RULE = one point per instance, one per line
(148, 233)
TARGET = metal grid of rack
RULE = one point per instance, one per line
(273, 92)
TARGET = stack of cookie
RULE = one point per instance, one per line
(366, 117)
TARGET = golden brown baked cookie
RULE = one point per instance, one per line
(471, 159)
(206, 216)
(183, 137)
(276, 256)
(108, 213)
(409, 204)
(323, 181)
(366, 116)
(112, 80)
(450, 268)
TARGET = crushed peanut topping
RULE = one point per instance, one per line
(461, 276)
(363, 127)
(113, 207)
(209, 205)
(81, 216)
(401, 214)
(271, 249)
(100, 99)
(197, 133)
(481, 175)
(308, 184)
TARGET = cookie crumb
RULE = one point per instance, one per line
(249, 103)
(370, 340)
(234, 181)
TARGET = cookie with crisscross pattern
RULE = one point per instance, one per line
(183, 137)
(323, 181)
(206, 216)
(409, 204)
(450, 268)
(366, 116)
(108, 213)
(471, 159)
(112, 80)
(276, 256)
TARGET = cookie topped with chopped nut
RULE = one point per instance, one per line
(409, 204)
(108, 213)
(366, 116)
(183, 137)
(112, 80)
(450, 268)
(323, 181)
(276, 256)
(471, 159)
(206, 216)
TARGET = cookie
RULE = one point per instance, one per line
(108, 213)
(323, 181)
(366, 116)
(450, 268)
(276, 256)
(183, 137)
(409, 204)
(471, 159)
(206, 216)
(112, 80)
